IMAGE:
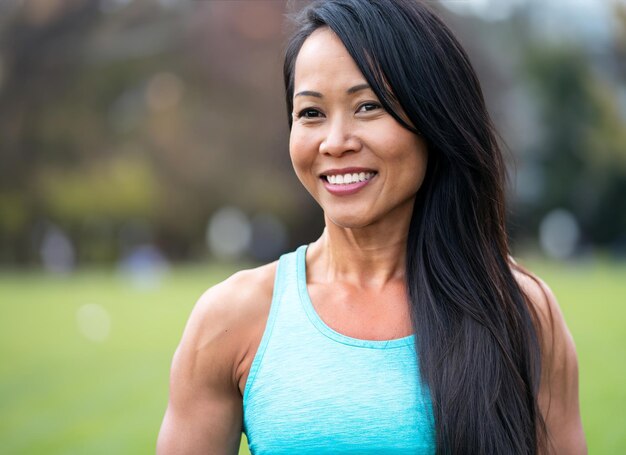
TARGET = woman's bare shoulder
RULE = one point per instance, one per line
(537, 291)
(542, 299)
(240, 299)
(226, 321)
(558, 392)
(556, 338)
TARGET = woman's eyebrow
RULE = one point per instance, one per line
(357, 88)
(309, 93)
(350, 91)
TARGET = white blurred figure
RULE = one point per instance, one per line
(94, 322)
(229, 233)
(57, 252)
(269, 237)
(145, 266)
(559, 234)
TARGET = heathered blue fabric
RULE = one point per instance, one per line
(312, 390)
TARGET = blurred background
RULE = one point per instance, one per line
(144, 157)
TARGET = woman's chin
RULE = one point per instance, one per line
(349, 220)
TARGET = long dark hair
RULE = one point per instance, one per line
(476, 331)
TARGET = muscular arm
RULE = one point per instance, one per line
(558, 392)
(204, 412)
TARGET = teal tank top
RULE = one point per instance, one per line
(312, 390)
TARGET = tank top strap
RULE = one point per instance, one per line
(286, 317)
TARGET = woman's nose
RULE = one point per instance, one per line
(339, 139)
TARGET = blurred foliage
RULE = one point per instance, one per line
(583, 146)
(116, 190)
(116, 114)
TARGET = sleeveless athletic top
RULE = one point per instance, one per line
(312, 390)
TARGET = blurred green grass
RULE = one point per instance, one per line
(62, 393)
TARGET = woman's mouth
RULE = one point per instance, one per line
(347, 179)
(348, 183)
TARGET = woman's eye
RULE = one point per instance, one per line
(309, 113)
(368, 107)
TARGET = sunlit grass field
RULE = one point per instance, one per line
(64, 389)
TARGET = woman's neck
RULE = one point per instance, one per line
(368, 257)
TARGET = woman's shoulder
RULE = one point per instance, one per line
(541, 298)
(239, 300)
(553, 328)
(227, 322)
(558, 391)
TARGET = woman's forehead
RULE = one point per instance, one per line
(323, 61)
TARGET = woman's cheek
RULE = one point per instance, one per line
(301, 152)
(296, 160)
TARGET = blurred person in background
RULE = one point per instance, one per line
(406, 327)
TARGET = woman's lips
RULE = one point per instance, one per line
(346, 189)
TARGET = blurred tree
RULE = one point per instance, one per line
(583, 142)
(37, 45)
(113, 112)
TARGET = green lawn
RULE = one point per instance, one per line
(61, 392)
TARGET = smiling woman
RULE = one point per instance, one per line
(341, 130)
(406, 327)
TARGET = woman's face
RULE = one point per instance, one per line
(342, 134)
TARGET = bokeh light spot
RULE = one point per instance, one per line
(229, 233)
(57, 252)
(559, 234)
(94, 322)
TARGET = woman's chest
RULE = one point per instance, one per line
(332, 398)
(364, 315)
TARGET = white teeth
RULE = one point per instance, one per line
(349, 178)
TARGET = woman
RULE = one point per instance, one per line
(406, 327)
